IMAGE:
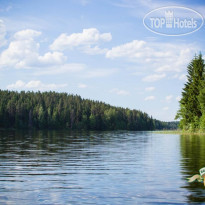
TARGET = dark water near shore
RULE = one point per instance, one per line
(59, 167)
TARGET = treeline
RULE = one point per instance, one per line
(192, 103)
(51, 110)
(160, 125)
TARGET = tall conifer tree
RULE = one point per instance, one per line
(190, 109)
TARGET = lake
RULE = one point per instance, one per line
(119, 167)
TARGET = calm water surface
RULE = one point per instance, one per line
(59, 167)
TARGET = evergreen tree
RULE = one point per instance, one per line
(190, 109)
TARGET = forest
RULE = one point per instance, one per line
(192, 104)
(52, 110)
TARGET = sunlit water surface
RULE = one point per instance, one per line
(61, 167)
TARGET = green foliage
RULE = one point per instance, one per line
(50, 110)
(192, 103)
(202, 123)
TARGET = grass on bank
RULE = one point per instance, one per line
(182, 132)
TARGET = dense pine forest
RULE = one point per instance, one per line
(192, 103)
(51, 110)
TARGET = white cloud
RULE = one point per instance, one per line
(168, 98)
(130, 50)
(26, 34)
(138, 73)
(149, 88)
(154, 77)
(34, 85)
(138, 4)
(19, 54)
(2, 33)
(17, 85)
(23, 52)
(94, 50)
(87, 38)
(164, 68)
(183, 77)
(60, 69)
(80, 69)
(149, 98)
(120, 92)
(81, 85)
(99, 73)
(52, 58)
(178, 59)
(160, 56)
(165, 108)
(175, 76)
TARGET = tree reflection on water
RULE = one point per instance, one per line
(193, 159)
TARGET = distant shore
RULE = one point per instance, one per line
(182, 132)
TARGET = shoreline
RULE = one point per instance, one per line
(181, 132)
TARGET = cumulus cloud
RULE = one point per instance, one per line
(99, 73)
(168, 98)
(60, 69)
(177, 59)
(149, 98)
(2, 33)
(93, 50)
(154, 77)
(82, 85)
(26, 34)
(149, 88)
(130, 50)
(34, 85)
(120, 92)
(86, 39)
(183, 77)
(23, 52)
(161, 57)
(52, 58)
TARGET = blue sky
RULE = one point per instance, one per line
(98, 49)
